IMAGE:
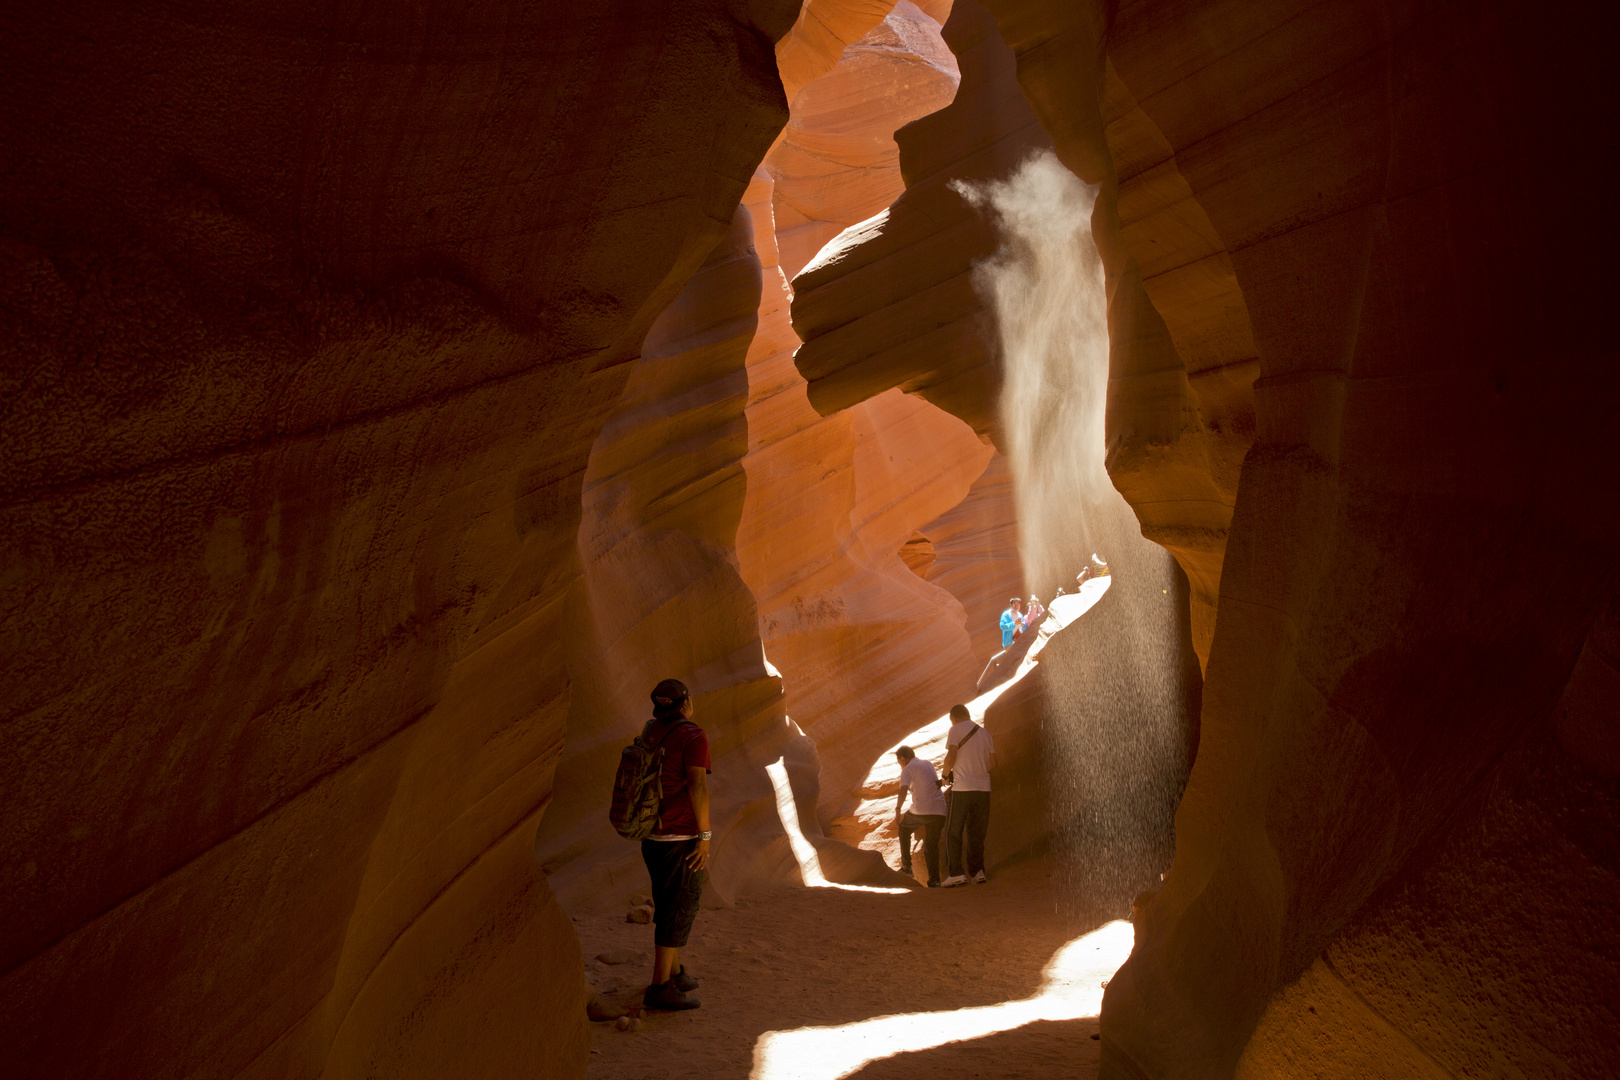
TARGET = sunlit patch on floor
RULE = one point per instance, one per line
(1071, 989)
(804, 852)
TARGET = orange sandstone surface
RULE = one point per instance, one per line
(1384, 805)
(890, 302)
(1341, 397)
(311, 318)
(389, 396)
(836, 162)
(866, 644)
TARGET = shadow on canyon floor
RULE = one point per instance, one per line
(800, 958)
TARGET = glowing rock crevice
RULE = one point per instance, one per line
(831, 501)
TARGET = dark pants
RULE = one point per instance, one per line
(676, 889)
(930, 825)
(969, 817)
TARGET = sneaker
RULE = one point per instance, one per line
(933, 883)
(667, 996)
(683, 982)
(953, 881)
(979, 878)
(906, 870)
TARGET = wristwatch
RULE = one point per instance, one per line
(705, 836)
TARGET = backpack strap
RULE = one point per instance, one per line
(965, 738)
(659, 748)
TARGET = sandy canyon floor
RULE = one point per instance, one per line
(831, 961)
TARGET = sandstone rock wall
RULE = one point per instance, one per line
(1181, 394)
(663, 494)
(863, 645)
(836, 162)
(661, 595)
(866, 647)
(893, 302)
(820, 33)
(666, 528)
(1341, 203)
(972, 551)
(890, 302)
(1417, 426)
(311, 319)
(1180, 411)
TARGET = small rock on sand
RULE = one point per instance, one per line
(639, 915)
(622, 956)
(597, 1009)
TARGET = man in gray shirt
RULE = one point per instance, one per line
(969, 754)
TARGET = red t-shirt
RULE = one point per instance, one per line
(685, 747)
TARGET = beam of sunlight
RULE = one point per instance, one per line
(804, 852)
(1071, 988)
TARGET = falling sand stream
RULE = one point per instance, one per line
(1116, 703)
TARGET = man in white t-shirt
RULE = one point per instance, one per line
(969, 754)
(927, 813)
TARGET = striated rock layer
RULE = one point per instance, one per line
(664, 496)
(867, 648)
(311, 319)
(890, 302)
(836, 162)
(1325, 262)
(1383, 808)
(971, 550)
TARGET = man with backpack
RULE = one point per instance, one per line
(968, 756)
(661, 797)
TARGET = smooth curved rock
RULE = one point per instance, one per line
(973, 552)
(820, 33)
(836, 162)
(1180, 411)
(312, 317)
(890, 302)
(831, 502)
(663, 494)
(1381, 809)
(1322, 187)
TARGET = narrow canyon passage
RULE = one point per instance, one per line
(391, 395)
(823, 964)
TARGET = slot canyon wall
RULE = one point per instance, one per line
(1399, 818)
(1347, 395)
(380, 407)
(384, 390)
(312, 316)
(870, 646)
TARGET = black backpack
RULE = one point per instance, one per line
(638, 786)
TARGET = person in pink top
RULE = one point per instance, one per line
(1034, 613)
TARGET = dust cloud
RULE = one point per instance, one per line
(1115, 734)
